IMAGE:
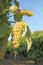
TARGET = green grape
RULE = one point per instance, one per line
(17, 31)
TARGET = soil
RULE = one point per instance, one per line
(19, 60)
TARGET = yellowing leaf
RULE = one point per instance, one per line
(29, 44)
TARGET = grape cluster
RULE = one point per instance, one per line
(27, 12)
(17, 31)
(13, 8)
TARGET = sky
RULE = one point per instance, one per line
(34, 22)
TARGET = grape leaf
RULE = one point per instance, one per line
(16, 3)
(17, 17)
(4, 29)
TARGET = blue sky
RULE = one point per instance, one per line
(35, 22)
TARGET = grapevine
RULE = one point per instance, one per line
(18, 29)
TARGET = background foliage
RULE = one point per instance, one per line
(36, 51)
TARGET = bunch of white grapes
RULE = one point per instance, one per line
(17, 31)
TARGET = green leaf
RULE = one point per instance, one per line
(4, 29)
(16, 3)
(17, 17)
(3, 6)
